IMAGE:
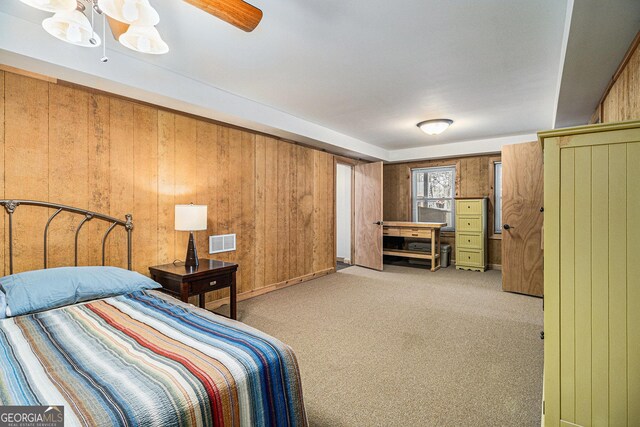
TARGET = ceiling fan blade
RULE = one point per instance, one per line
(236, 12)
(117, 28)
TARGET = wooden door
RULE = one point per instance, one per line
(368, 215)
(522, 200)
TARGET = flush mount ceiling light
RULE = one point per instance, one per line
(52, 5)
(72, 26)
(434, 127)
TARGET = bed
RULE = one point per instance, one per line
(138, 357)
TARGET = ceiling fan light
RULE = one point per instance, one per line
(52, 6)
(144, 39)
(72, 27)
(132, 12)
(434, 127)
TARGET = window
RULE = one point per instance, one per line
(433, 195)
(497, 185)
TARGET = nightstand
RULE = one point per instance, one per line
(210, 275)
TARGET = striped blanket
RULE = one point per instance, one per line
(146, 359)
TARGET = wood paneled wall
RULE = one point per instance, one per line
(71, 145)
(621, 101)
(474, 178)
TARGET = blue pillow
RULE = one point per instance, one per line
(39, 290)
(3, 305)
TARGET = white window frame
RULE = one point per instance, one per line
(497, 197)
(414, 199)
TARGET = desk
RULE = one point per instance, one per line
(415, 230)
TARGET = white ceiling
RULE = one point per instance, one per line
(354, 74)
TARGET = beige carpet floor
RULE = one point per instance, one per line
(407, 347)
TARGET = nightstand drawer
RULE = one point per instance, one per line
(210, 284)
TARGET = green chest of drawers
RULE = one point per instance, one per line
(471, 234)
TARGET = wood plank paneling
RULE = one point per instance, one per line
(166, 187)
(26, 164)
(121, 172)
(247, 238)
(260, 208)
(473, 179)
(68, 171)
(99, 178)
(622, 102)
(145, 192)
(118, 156)
(308, 210)
(271, 233)
(283, 210)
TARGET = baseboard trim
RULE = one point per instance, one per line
(212, 305)
(495, 267)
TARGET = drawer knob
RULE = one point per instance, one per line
(469, 240)
(213, 283)
(468, 223)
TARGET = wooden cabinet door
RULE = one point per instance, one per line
(522, 200)
(368, 215)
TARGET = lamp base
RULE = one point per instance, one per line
(191, 260)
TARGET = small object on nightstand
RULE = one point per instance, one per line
(191, 218)
(209, 275)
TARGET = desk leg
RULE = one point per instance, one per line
(201, 300)
(433, 251)
(437, 232)
(184, 292)
(233, 296)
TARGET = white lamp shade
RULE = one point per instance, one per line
(144, 40)
(435, 127)
(73, 27)
(52, 5)
(133, 12)
(191, 217)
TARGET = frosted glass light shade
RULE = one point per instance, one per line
(434, 127)
(144, 40)
(132, 12)
(191, 217)
(52, 5)
(72, 27)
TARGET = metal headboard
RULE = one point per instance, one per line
(10, 207)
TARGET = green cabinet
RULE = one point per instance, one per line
(471, 234)
(592, 276)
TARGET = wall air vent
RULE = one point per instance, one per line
(222, 243)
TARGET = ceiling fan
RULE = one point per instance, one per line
(132, 22)
(238, 13)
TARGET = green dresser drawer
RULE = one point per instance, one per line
(469, 223)
(469, 240)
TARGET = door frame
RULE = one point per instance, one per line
(351, 163)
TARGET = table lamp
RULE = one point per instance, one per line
(191, 218)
